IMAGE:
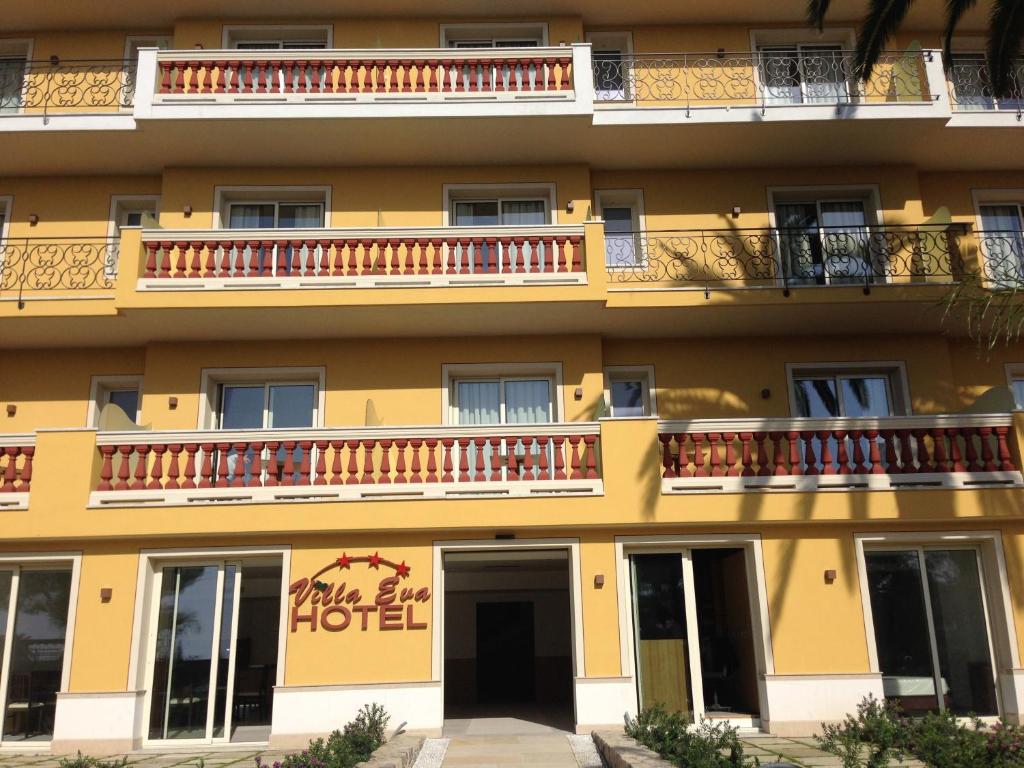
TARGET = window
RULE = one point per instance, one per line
(491, 206)
(503, 400)
(116, 402)
(803, 74)
(629, 392)
(1002, 241)
(972, 90)
(263, 38)
(493, 35)
(275, 215)
(613, 70)
(847, 392)
(14, 57)
(622, 211)
(826, 239)
(126, 212)
(931, 628)
(34, 605)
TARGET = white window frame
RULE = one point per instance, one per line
(225, 196)
(6, 206)
(452, 374)
(129, 203)
(19, 561)
(1014, 372)
(756, 590)
(642, 373)
(147, 602)
(900, 403)
(475, 193)
(211, 379)
(100, 388)
(486, 33)
(999, 622)
(16, 47)
(276, 33)
(500, 381)
(624, 198)
(609, 40)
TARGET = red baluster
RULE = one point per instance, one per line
(405, 75)
(939, 457)
(446, 468)
(987, 456)
(874, 455)
(746, 457)
(238, 474)
(559, 442)
(856, 437)
(478, 474)
(256, 470)
(495, 443)
(353, 463)
(436, 246)
(714, 459)
(575, 472)
(179, 83)
(125, 452)
(288, 469)
(336, 446)
(762, 455)
(827, 465)
(552, 83)
(1005, 457)
(464, 459)
(513, 462)
(419, 74)
(683, 459)
(431, 459)
(792, 440)
(106, 468)
(528, 472)
(172, 468)
(141, 464)
(590, 443)
(432, 70)
(190, 465)
(924, 459)
(415, 467)
(472, 76)
(891, 465)
(222, 465)
(778, 456)
(577, 259)
(842, 456)
(810, 460)
(906, 452)
(698, 454)
(522, 263)
(492, 254)
(956, 457)
(206, 470)
(320, 474)
(221, 72)
(367, 478)
(564, 64)
(667, 459)
(151, 249)
(381, 83)
(272, 463)
(551, 257)
(538, 74)
(544, 472)
(27, 453)
(165, 77)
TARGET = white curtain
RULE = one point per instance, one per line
(847, 255)
(524, 213)
(479, 402)
(821, 71)
(528, 402)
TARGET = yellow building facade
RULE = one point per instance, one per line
(546, 365)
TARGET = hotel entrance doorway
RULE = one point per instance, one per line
(507, 640)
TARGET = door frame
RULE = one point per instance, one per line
(571, 545)
(683, 544)
(147, 607)
(38, 561)
(995, 592)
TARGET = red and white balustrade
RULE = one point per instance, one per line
(362, 257)
(815, 454)
(369, 74)
(16, 455)
(344, 464)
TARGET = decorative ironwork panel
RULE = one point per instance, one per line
(73, 86)
(1002, 258)
(970, 88)
(57, 265)
(776, 77)
(788, 257)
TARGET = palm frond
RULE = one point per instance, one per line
(816, 10)
(1006, 28)
(955, 10)
(884, 17)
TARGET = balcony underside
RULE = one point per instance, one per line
(747, 141)
(320, 314)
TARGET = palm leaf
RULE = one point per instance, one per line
(1006, 28)
(955, 10)
(884, 18)
(816, 10)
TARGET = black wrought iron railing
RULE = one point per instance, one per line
(787, 257)
(809, 75)
(47, 87)
(54, 265)
(970, 87)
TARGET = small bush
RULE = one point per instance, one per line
(671, 736)
(342, 749)
(84, 761)
(879, 732)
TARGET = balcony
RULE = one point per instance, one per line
(83, 93)
(771, 85)
(970, 94)
(744, 259)
(225, 467)
(16, 455)
(362, 258)
(744, 455)
(57, 268)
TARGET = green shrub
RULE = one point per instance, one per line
(342, 749)
(673, 738)
(83, 761)
(879, 732)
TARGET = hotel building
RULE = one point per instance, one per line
(547, 363)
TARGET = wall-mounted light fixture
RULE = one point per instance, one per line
(830, 576)
(720, 53)
(33, 219)
(172, 402)
(766, 393)
(578, 393)
(54, 61)
(736, 211)
(106, 593)
(570, 206)
(187, 210)
(598, 581)
(11, 409)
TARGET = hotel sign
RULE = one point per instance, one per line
(334, 602)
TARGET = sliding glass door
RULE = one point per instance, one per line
(194, 694)
(825, 242)
(693, 636)
(931, 629)
(33, 630)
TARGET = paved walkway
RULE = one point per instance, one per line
(538, 750)
(798, 751)
(238, 758)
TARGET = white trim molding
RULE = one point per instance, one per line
(800, 703)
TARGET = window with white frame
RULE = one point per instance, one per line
(275, 214)
(494, 206)
(280, 38)
(623, 213)
(131, 54)
(512, 35)
(115, 400)
(848, 391)
(1002, 240)
(298, 208)
(629, 391)
(612, 65)
(14, 55)
(931, 627)
(824, 236)
(803, 73)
